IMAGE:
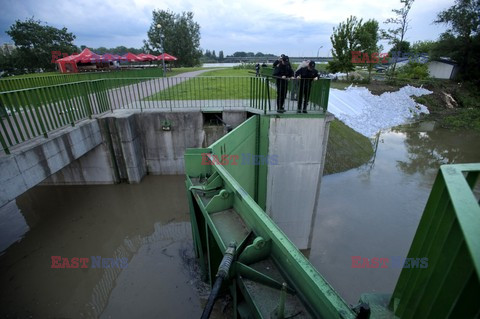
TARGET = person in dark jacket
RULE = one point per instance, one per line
(306, 75)
(281, 71)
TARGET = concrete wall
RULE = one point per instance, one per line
(122, 146)
(95, 167)
(234, 118)
(164, 150)
(293, 186)
(32, 162)
(142, 146)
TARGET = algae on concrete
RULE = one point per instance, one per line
(346, 149)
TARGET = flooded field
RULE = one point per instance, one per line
(374, 210)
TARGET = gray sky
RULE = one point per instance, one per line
(293, 27)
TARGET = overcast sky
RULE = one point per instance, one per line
(293, 27)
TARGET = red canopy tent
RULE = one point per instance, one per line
(69, 63)
(147, 57)
(167, 56)
(119, 57)
(130, 57)
(107, 57)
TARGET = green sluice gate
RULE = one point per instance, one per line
(271, 278)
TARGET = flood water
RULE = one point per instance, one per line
(371, 211)
(374, 210)
(148, 224)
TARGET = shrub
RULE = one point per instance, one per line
(413, 70)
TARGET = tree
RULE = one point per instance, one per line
(240, 54)
(214, 55)
(396, 34)
(36, 43)
(220, 56)
(399, 49)
(368, 36)
(176, 34)
(420, 47)
(102, 50)
(461, 41)
(344, 42)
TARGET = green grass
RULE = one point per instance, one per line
(229, 72)
(339, 85)
(463, 119)
(346, 149)
(32, 75)
(177, 71)
(224, 84)
(54, 78)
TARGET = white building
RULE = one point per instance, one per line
(442, 69)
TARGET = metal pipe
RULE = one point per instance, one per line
(222, 273)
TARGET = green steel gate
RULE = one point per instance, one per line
(271, 278)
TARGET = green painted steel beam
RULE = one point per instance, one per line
(448, 235)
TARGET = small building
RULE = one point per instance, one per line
(442, 68)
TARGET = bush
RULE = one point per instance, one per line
(413, 70)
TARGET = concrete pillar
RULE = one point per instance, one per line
(293, 186)
(126, 143)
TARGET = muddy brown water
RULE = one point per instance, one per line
(371, 211)
(374, 210)
(148, 224)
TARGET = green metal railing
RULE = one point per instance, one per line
(26, 82)
(449, 236)
(32, 112)
(319, 92)
(38, 111)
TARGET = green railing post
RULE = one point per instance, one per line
(38, 107)
(85, 98)
(267, 86)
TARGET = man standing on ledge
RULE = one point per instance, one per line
(306, 75)
(282, 70)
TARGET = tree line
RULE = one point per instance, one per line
(35, 41)
(460, 43)
(210, 56)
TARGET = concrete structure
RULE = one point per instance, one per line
(126, 145)
(293, 186)
(122, 146)
(32, 162)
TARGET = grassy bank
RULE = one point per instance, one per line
(346, 149)
(454, 105)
